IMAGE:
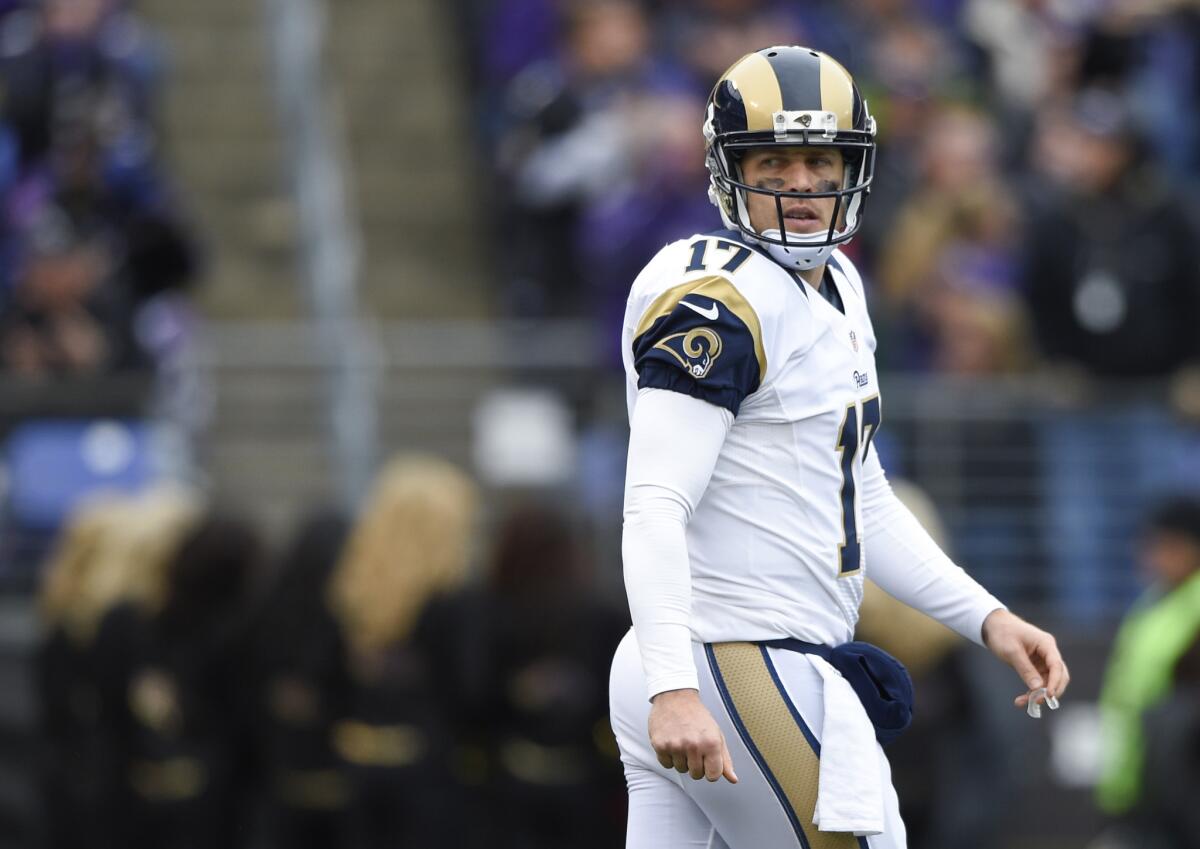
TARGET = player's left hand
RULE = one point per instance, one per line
(1032, 652)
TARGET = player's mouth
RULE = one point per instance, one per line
(802, 219)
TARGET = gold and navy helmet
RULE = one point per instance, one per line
(789, 96)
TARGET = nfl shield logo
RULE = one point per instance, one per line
(854, 341)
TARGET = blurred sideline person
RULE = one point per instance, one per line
(173, 683)
(1150, 713)
(529, 650)
(1172, 757)
(68, 696)
(1110, 268)
(299, 687)
(947, 270)
(411, 543)
(561, 137)
(751, 493)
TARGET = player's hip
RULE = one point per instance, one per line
(769, 704)
(739, 680)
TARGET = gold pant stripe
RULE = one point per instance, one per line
(767, 727)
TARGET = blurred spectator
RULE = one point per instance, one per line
(1032, 49)
(68, 692)
(1168, 37)
(1172, 757)
(975, 328)
(1142, 670)
(949, 301)
(113, 554)
(131, 563)
(172, 673)
(902, 75)
(410, 544)
(948, 267)
(1111, 281)
(665, 200)
(65, 316)
(101, 171)
(300, 688)
(68, 57)
(520, 33)
(565, 144)
(536, 645)
(710, 35)
(79, 81)
(1112, 248)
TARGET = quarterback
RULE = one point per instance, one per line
(755, 505)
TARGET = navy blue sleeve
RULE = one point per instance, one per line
(705, 342)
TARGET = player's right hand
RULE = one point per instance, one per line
(686, 737)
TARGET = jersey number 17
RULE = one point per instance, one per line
(852, 438)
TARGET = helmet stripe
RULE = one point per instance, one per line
(837, 92)
(799, 74)
(759, 88)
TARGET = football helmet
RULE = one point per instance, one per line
(788, 96)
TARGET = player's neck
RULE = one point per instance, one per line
(812, 276)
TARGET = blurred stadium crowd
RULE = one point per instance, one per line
(1035, 193)
(94, 250)
(351, 690)
(1033, 215)
(358, 687)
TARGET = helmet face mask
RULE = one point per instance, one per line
(745, 112)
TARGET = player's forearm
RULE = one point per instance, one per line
(673, 446)
(908, 564)
(659, 586)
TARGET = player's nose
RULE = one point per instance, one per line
(800, 178)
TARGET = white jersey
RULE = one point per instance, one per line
(776, 543)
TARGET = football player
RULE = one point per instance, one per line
(755, 505)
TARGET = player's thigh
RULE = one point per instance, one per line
(770, 708)
(662, 816)
(805, 691)
(747, 815)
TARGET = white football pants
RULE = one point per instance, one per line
(772, 805)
